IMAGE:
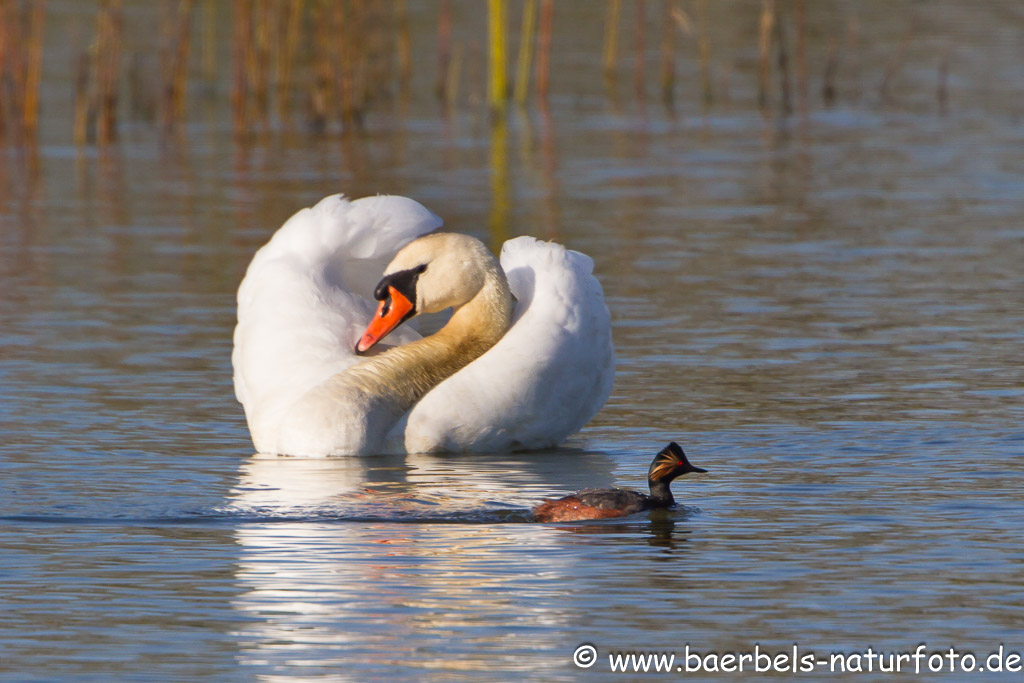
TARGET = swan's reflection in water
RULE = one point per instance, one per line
(372, 560)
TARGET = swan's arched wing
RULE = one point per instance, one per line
(547, 376)
(307, 297)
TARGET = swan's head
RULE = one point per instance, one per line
(431, 273)
(669, 464)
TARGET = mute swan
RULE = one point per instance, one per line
(504, 373)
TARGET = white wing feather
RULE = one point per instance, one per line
(544, 380)
(307, 296)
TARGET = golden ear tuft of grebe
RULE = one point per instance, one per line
(669, 463)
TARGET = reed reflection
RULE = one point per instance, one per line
(549, 173)
(500, 200)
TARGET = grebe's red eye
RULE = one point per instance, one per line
(680, 463)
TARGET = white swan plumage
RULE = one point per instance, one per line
(503, 374)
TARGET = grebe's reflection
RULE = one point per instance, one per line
(344, 557)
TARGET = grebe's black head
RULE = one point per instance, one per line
(669, 464)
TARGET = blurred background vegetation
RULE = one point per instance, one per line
(321, 66)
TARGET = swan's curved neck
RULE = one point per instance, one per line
(402, 375)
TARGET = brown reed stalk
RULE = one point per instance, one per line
(611, 38)
(853, 50)
(240, 47)
(33, 69)
(376, 64)
(526, 37)
(404, 47)
(497, 56)
(12, 75)
(783, 62)
(828, 85)
(320, 93)
(175, 78)
(292, 21)
(547, 8)
(80, 125)
(348, 28)
(259, 65)
(764, 48)
(704, 50)
(341, 66)
(667, 76)
(639, 48)
(108, 68)
(208, 44)
(5, 10)
(444, 48)
(802, 84)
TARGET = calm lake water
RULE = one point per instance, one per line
(824, 309)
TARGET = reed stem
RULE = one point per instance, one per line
(175, 79)
(80, 125)
(444, 48)
(33, 70)
(498, 80)
(611, 38)
(544, 47)
(5, 10)
(319, 100)
(404, 47)
(293, 25)
(783, 61)
(639, 49)
(208, 49)
(828, 86)
(525, 51)
(260, 64)
(704, 51)
(802, 85)
(668, 62)
(108, 68)
(764, 49)
(240, 48)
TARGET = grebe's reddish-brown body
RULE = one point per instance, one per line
(670, 463)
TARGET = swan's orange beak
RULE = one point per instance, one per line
(391, 313)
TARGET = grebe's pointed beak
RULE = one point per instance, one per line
(674, 450)
(688, 466)
(392, 312)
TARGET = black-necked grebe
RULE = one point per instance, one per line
(670, 463)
